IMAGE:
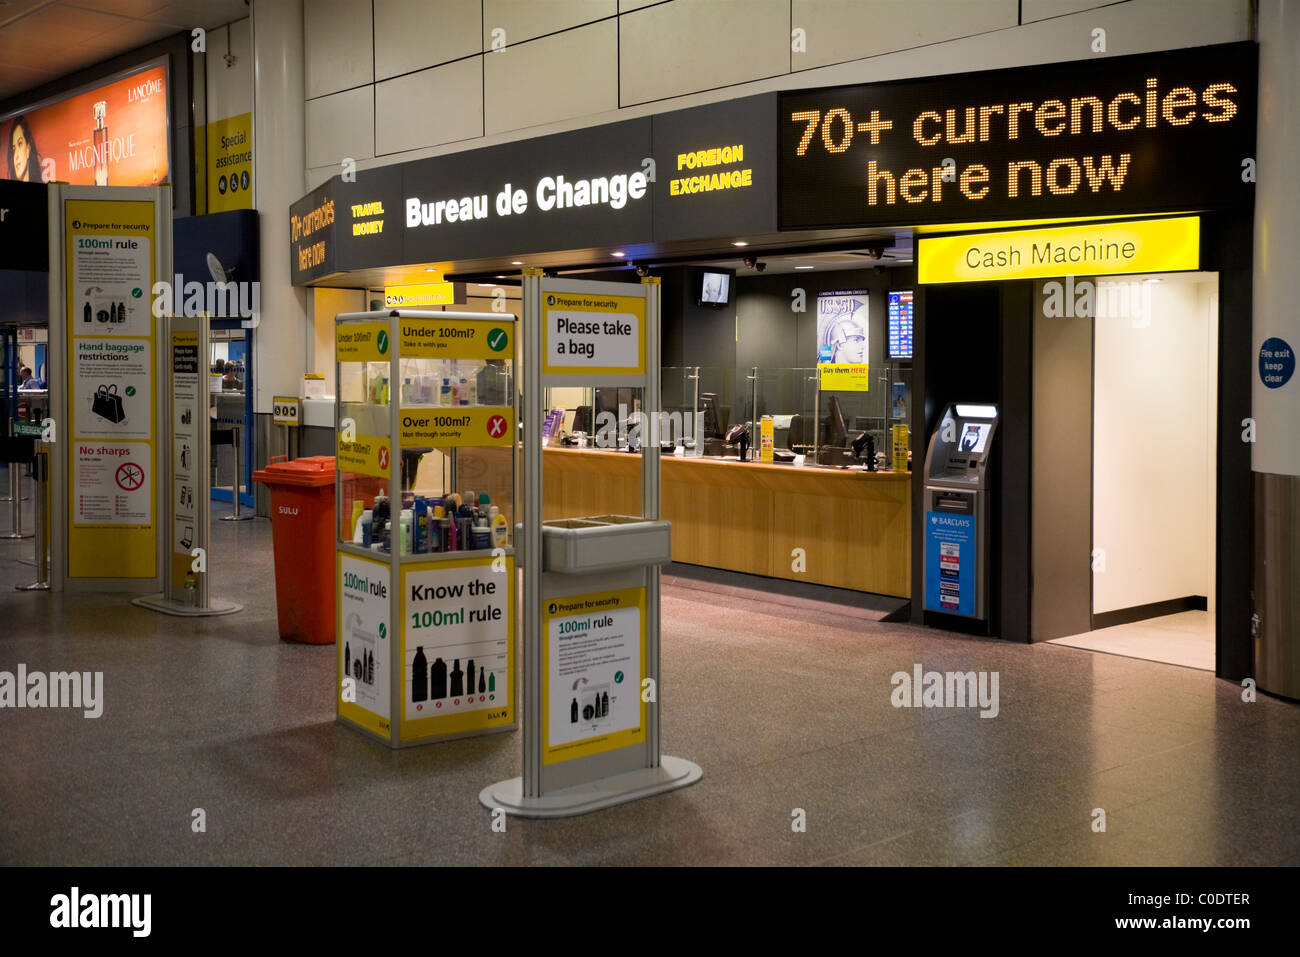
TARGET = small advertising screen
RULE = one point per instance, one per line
(973, 436)
(715, 288)
(900, 325)
(110, 135)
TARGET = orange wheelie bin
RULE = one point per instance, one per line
(302, 534)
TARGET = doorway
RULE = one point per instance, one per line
(1153, 450)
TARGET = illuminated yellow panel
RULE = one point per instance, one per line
(423, 294)
(1152, 245)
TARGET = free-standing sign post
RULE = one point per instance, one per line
(188, 495)
(107, 246)
(590, 587)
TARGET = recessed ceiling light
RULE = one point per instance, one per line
(740, 242)
(516, 262)
(485, 285)
(803, 267)
(620, 255)
(501, 277)
(1153, 279)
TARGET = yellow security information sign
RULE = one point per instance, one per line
(592, 333)
(458, 646)
(422, 294)
(1101, 249)
(230, 163)
(457, 339)
(593, 659)
(110, 389)
(844, 376)
(467, 426)
(900, 445)
(286, 410)
(368, 454)
(361, 342)
(365, 644)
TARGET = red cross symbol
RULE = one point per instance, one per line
(496, 426)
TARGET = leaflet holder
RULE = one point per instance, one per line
(956, 510)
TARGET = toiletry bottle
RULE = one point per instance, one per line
(367, 525)
(500, 528)
(453, 545)
(439, 680)
(457, 679)
(482, 534)
(419, 536)
(420, 676)
(99, 141)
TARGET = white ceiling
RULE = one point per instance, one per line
(43, 40)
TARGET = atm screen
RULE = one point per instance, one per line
(973, 436)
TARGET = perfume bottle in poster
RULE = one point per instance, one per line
(100, 143)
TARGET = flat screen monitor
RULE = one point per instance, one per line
(973, 436)
(715, 288)
(582, 419)
(714, 422)
(900, 325)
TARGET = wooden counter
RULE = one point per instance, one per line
(854, 527)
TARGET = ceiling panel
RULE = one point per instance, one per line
(42, 40)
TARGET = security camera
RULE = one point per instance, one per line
(642, 271)
(752, 262)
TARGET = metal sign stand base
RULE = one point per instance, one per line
(672, 773)
(160, 602)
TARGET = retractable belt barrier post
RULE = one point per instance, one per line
(42, 498)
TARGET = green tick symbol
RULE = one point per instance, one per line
(382, 342)
(383, 630)
(130, 390)
(497, 340)
(137, 292)
(618, 677)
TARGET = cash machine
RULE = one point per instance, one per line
(957, 510)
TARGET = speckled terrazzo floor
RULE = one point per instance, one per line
(784, 706)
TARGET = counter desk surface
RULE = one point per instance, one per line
(853, 527)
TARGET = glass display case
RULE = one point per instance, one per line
(425, 509)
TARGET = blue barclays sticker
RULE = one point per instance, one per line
(1276, 362)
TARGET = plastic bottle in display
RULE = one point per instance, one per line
(420, 676)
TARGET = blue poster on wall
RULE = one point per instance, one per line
(950, 563)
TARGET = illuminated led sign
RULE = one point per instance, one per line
(1145, 133)
(1153, 245)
